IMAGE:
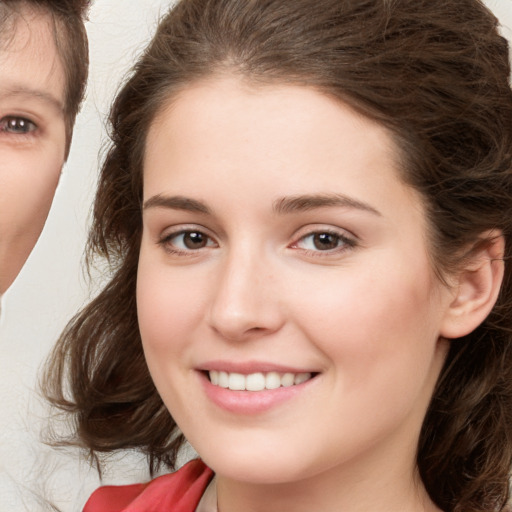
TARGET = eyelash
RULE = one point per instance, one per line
(343, 242)
(27, 126)
(166, 242)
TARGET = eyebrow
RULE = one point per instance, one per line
(176, 203)
(281, 206)
(28, 92)
(302, 203)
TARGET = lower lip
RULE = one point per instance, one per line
(251, 402)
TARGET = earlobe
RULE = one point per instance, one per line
(477, 288)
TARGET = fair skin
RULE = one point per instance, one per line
(278, 240)
(32, 137)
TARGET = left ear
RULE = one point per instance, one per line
(476, 287)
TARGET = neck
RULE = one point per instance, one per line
(358, 486)
(306, 496)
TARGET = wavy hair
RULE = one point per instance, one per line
(436, 75)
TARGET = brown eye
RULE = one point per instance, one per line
(194, 240)
(186, 241)
(325, 241)
(16, 125)
(329, 242)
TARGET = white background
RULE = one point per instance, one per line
(52, 286)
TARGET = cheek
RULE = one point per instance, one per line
(168, 305)
(378, 317)
(28, 184)
(27, 187)
(168, 313)
(378, 333)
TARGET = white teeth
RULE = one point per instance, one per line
(236, 382)
(301, 377)
(287, 380)
(272, 380)
(256, 381)
(223, 380)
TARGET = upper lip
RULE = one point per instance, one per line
(248, 367)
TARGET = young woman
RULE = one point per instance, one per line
(307, 209)
(43, 72)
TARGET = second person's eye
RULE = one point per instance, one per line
(16, 125)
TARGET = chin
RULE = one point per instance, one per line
(257, 466)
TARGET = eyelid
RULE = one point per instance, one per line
(181, 228)
(323, 228)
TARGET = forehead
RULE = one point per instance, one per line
(229, 113)
(293, 138)
(29, 60)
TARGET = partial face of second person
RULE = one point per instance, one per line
(281, 250)
(32, 136)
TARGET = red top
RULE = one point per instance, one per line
(177, 492)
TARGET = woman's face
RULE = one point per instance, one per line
(283, 257)
(32, 137)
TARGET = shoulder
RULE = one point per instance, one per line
(179, 492)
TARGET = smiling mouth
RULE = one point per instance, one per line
(257, 381)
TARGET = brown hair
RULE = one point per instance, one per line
(68, 18)
(436, 74)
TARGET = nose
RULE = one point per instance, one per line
(246, 301)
